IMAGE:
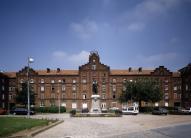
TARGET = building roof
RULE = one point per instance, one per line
(76, 72)
(55, 72)
(132, 72)
(10, 74)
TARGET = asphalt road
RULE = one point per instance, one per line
(178, 131)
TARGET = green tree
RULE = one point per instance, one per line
(22, 96)
(142, 89)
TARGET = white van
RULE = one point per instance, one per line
(131, 110)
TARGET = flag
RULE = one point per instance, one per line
(30, 60)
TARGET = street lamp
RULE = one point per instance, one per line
(30, 60)
(59, 97)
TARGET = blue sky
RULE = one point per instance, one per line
(126, 33)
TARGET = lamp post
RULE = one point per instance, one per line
(30, 60)
(58, 98)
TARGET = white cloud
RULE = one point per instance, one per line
(145, 11)
(70, 60)
(136, 26)
(85, 29)
(151, 8)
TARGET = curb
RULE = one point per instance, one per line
(37, 131)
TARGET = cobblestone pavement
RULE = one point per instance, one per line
(110, 127)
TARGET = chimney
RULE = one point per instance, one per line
(58, 69)
(48, 70)
(130, 69)
(140, 69)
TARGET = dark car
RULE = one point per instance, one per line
(159, 111)
(21, 111)
(85, 110)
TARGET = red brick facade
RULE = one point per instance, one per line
(74, 87)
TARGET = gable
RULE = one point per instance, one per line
(161, 71)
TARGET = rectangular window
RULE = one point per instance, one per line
(103, 96)
(52, 81)
(73, 81)
(84, 81)
(175, 88)
(3, 87)
(186, 87)
(103, 88)
(114, 81)
(166, 88)
(114, 88)
(74, 105)
(52, 88)
(63, 88)
(42, 88)
(74, 87)
(84, 96)
(74, 95)
(52, 96)
(175, 95)
(42, 96)
(93, 67)
(10, 96)
(103, 105)
(42, 81)
(63, 96)
(41, 103)
(3, 96)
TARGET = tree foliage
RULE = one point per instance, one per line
(22, 96)
(142, 89)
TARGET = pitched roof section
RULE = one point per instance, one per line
(55, 72)
(10, 74)
(132, 72)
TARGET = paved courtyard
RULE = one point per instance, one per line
(110, 127)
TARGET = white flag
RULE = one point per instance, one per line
(31, 60)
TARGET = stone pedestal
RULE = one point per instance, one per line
(95, 108)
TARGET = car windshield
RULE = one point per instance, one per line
(130, 108)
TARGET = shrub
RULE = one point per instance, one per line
(118, 112)
(72, 112)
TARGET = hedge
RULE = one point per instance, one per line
(52, 109)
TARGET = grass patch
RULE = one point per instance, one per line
(10, 125)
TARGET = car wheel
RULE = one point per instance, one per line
(14, 113)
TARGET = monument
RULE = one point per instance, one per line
(95, 107)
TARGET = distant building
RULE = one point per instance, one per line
(186, 85)
(74, 87)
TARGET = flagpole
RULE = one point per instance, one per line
(28, 95)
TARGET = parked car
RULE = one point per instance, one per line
(21, 111)
(104, 110)
(113, 108)
(131, 110)
(2, 111)
(181, 111)
(85, 110)
(159, 111)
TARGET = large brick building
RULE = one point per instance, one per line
(73, 88)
